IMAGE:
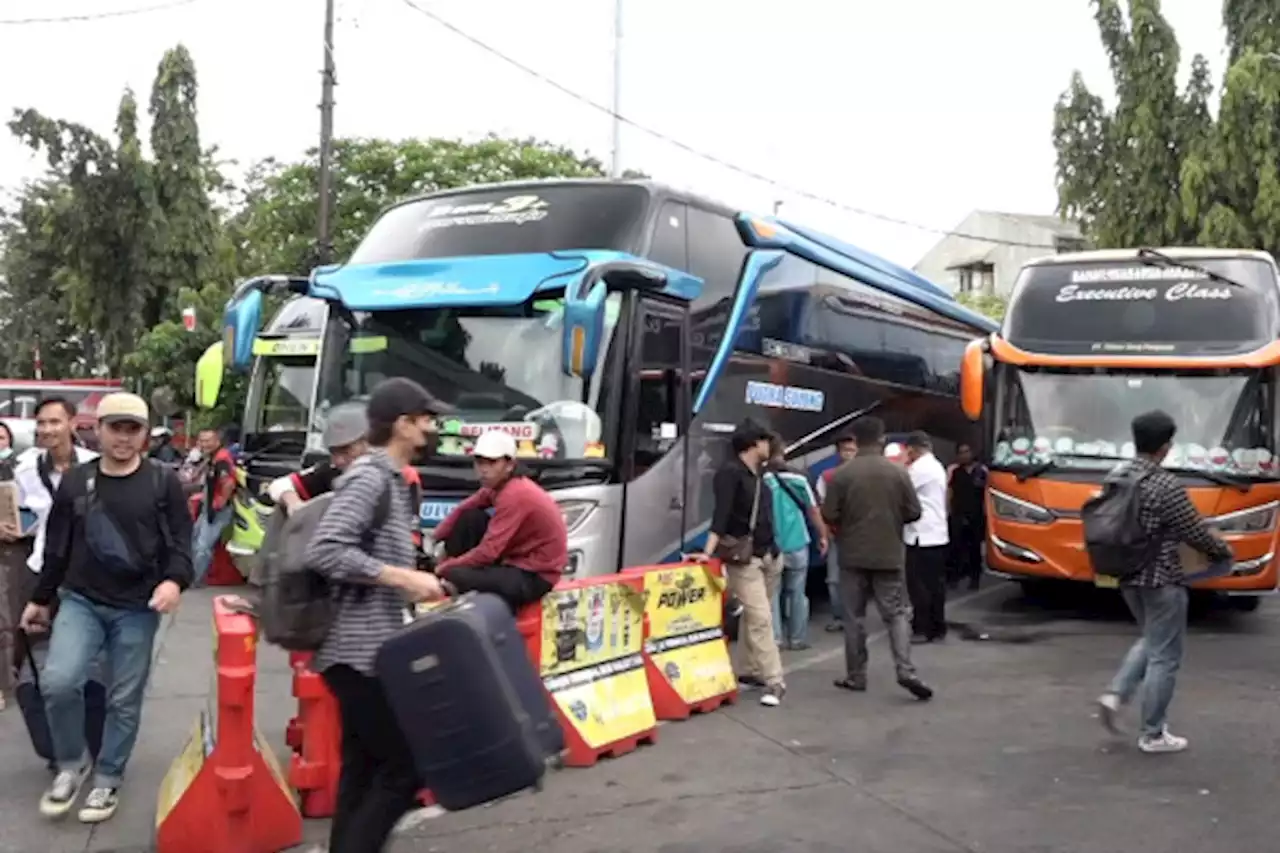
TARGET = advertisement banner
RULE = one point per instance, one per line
(685, 606)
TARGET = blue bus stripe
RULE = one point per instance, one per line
(758, 263)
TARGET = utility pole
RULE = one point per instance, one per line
(615, 166)
(324, 242)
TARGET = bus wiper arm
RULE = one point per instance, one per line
(1218, 477)
(1036, 470)
(1160, 259)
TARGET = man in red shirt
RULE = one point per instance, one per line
(521, 551)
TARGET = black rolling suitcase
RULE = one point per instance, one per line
(470, 702)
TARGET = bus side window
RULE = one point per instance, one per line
(670, 243)
(716, 255)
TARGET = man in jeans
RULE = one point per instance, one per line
(741, 534)
(795, 511)
(215, 507)
(869, 502)
(116, 555)
(1156, 594)
(846, 449)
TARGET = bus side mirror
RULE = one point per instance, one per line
(583, 329)
(972, 378)
(240, 323)
(209, 377)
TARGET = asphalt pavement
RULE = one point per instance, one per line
(1009, 756)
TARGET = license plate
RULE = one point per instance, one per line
(1106, 582)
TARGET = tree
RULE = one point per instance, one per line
(275, 231)
(1119, 171)
(987, 304)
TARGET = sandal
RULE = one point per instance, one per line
(851, 684)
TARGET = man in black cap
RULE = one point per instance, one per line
(353, 545)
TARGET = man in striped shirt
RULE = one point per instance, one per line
(1156, 593)
(370, 563)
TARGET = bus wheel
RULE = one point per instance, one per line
(1036, 590)
(732, 618)
(1246, 603)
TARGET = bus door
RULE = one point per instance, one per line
(656, 404)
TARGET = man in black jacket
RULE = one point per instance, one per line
(118, 556)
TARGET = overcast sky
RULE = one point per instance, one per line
(920, 110)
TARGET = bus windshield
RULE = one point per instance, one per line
(498, 367)
(284, 399)
(1082, 420)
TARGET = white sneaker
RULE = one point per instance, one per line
(772, 695)
(99, 805)
(1108, 708)
(62, 793)
(1166, 741)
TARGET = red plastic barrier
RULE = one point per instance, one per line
(587, 638)
(686, 652)
(315, 736)
(230, 796)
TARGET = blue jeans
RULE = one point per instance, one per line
(833, 583)
(204, 538)
(81, 630)
(791, 599)
(1153, 661)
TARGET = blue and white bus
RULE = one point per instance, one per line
(619, 330)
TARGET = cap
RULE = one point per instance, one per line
(494, 444)
(919, 439)
(398, 396)
(161, 432)
(123, 406)
(347, 423)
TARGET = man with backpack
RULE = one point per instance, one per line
(344, 436)
(363, 547)
(795, 514)
(117, 556)
(1132, 532)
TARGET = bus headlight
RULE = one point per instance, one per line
(1258, 519)
(1010, 508)
(575, 513)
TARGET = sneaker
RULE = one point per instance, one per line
(798, 646)
(772, 696)
(1108, 709)
(62, 794)
(100, 805)
(750, 681)
(917, 688)
(1166, 741)
(834, 627)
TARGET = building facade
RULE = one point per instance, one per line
(964, 264)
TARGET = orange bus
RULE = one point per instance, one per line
(1090, 340)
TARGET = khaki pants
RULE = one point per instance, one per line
(754, 584)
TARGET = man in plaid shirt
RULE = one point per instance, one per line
(1156, 595)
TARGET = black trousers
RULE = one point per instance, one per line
(515, 586)
(966, 549)
(378, 784)
(927, 586)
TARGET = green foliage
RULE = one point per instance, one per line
(1158, 169)
(988, 304)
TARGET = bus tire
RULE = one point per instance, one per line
(732, 618)
(1036, 590)
(1246, 603)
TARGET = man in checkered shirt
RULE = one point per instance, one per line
(1156, 594)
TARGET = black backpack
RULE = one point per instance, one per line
(1117, 544)
(298, 604)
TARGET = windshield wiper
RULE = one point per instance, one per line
(1154, 258)
(1222, 479)
(1037, 469)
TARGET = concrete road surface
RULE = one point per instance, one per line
(1007, 759)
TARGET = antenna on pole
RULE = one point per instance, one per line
(324, 241)
(615, 164)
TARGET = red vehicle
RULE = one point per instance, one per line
(20, 397)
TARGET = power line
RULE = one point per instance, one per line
(710, 158)
(98, 16)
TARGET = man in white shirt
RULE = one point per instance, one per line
(38, 473)
(926, 541)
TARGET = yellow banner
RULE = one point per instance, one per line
(685, 606)
(592, 664)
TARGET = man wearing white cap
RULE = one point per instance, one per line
(520, 552)
(117, 556)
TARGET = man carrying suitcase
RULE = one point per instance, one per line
(370, 563)
(520, 552)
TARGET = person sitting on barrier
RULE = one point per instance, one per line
(344, 436)
(519, 553)
(372, 562)
(117, 554)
